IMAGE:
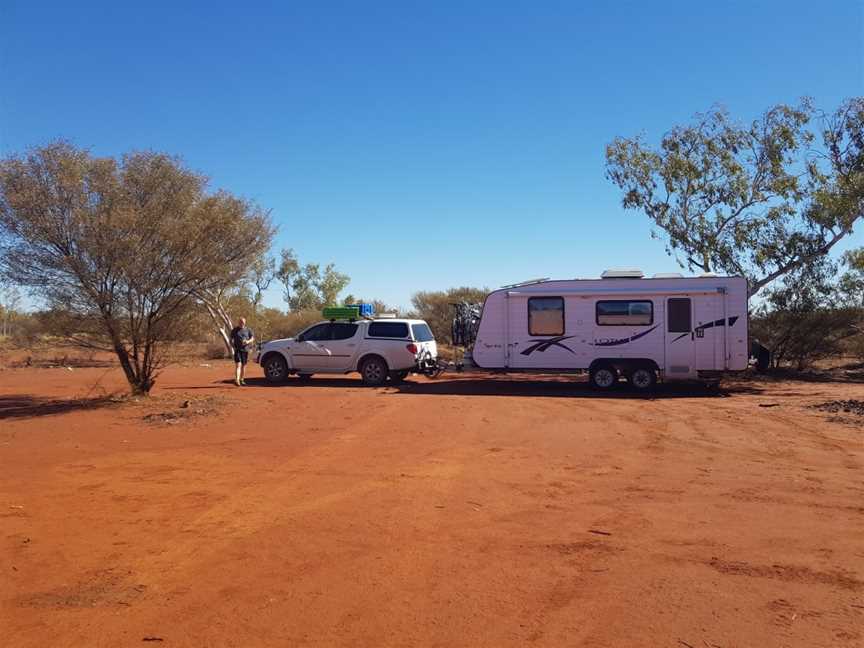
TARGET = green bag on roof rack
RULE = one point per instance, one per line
(341, 312)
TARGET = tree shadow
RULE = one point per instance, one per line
(64, 361)
(23, 406)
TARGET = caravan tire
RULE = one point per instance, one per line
(642, 379)
(603, 377)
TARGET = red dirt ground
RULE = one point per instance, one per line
(457, 512)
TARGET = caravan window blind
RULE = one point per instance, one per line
(625, 313)
(546, 316)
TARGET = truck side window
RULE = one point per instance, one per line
(546, 316)
(316, 334)
(343, 331)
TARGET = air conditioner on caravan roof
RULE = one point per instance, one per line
(622, 273)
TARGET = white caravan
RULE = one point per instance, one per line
(667, 327)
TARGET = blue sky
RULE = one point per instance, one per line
(417, 145)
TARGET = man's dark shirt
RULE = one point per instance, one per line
(239, 336)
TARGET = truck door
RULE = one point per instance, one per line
(679, 338)
(309, 351)
(343, 345)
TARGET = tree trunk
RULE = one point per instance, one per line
(796, 263)
(220, 318)
(139, 381)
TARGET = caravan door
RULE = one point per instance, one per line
(680, 338)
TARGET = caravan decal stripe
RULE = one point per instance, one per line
(608, 343)
(543, 345)
(702, 327)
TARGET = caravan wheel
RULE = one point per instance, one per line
(603, 377)
(642, 379)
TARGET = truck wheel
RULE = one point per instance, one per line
(275, 369)
(642, 379)
(373, 371)
(603, 377)
(397, 377)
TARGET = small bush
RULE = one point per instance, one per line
(215, 351)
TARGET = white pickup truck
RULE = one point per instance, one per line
(378, 348)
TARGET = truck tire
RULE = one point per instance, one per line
(275, 368)
(374, 371)
(603, 377)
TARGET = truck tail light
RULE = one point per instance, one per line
(412, 348)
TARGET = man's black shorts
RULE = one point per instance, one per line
(241, 356)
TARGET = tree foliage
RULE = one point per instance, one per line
(810, 315)
(307, 286)
(852, 282)
(753, 200)
(262, 275)
(10, 300)
(122, 246)
(436, 307)
(221, 300)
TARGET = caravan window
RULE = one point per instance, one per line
(546, 316)
(625, 313)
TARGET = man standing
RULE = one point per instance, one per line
(241, 339)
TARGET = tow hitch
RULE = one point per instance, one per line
(429, 366)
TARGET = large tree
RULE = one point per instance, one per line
(249, 278)
(121, 247)
(307, 286)
(755, 200)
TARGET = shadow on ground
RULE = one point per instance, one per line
(25, 406)
(852, 372)
(553, 387)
